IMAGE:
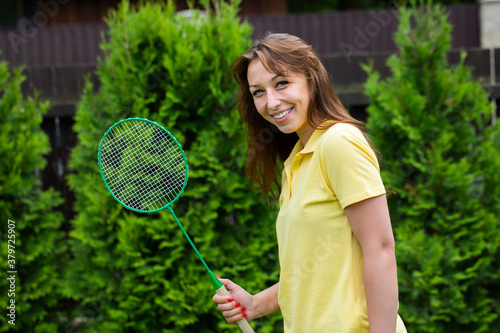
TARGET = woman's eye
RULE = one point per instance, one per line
(257, 92)
(281, 84)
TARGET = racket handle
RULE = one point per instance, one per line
(242, 323)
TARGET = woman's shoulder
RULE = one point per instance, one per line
(341, 132)
(346, 140)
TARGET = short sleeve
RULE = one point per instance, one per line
(349, 165)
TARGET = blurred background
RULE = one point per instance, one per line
(58, 42)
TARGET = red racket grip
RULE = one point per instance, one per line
(242, 323)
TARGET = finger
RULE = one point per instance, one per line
(230, 307)
(230, 285)
(219, 299)
(225, 306)
(234, 318)
(236, 310)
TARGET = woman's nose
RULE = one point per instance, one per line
(273, 101)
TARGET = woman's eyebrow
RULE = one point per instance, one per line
(272, 79)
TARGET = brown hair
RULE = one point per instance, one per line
(281, 54)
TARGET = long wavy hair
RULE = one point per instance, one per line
(283, 54)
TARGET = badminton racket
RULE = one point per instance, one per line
(145, 169)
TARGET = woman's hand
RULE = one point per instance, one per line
(237, 306)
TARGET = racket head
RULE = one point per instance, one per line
(142, 165)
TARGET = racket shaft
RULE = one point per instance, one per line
(242, 323)
(188, 239)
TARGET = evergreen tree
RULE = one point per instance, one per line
(441, 155)
(32, 246)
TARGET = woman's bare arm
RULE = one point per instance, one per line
(371, 225)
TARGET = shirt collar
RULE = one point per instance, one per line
(312, 143)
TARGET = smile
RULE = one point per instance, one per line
(282, 114)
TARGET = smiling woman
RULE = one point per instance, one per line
(336, 248)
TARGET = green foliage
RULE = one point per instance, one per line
(136, 272)
(37, 246)
(441, 155)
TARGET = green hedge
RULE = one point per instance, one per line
(39, 247)
(441, 155)
(137, 273)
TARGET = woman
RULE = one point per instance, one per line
(336, 247)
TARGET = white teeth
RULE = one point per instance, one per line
(282, 114)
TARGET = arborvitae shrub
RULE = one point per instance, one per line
(38, 247)
(441, 155)
(136, 272)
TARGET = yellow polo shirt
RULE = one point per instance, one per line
(321, 280)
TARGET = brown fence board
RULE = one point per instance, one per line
(59, 45)
(367, 31)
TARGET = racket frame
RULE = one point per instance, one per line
(176, 143)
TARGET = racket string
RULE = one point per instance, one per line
(169, 187)
(143, 165)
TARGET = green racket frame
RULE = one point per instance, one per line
(178, 146)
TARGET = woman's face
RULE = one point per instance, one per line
(282, 100)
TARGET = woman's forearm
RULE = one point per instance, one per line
(381, 289)
(266, 302)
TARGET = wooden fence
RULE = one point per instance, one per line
(58, 58)
(368, 31)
